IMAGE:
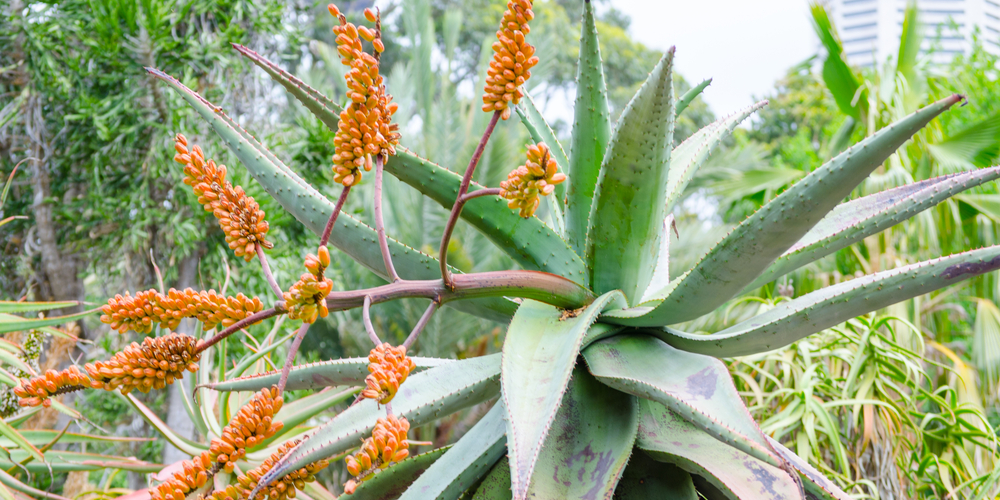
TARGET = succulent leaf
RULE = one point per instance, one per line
(814, 482)
(315, 376)
(747, 251)
(795, 319)
(661, 273)
(69, 461)
(539, 352)
(667, 437)
(591, 132)
(465, 463)
(180, 442)
(313, 209)
(856, 220)
(698, 388)
(496, 484)
(425, 397)
(390, 483)
(689, 96)
(645, 478)
(629, 203)
(589, 444)
(12, 323)
(9, 306)
(529, 241)
(301, 410)
(546, 251)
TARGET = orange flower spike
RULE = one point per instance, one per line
(154, 364)
(193, 475)
(387, 444)
(512, 60)
(40, 390)
(306, 299)
(388, 366)
(537, 177)
(147, 308)
(239, 215)
(251, 425)
(286, 486)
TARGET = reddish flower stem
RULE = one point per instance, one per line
(383, 242)
(366, 315)
(481, 192)
(279, 308)
(267, 272)
(426, 318)
(333, 217)
(456, 209)
(290, 357)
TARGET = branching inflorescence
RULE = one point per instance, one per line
(365, 138)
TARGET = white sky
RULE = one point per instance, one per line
(744, 45)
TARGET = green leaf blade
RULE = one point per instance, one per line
(541, 345)
(689, 96)
(392, 482)
(319, 375)
(795, 319)
(629, 205)
(591, 132)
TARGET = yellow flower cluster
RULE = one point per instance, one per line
(153, 365)
(150, 307)
(538, 176)
(365, 129)
(388, 366)
(239, 215)
(40, 390)
(388, 444)
(306, 299)
(512, 60)
(249, 427)
(284, 487)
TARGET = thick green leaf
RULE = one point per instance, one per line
(661, 274)
(591, 132)
(690, 155)
(390, 483)
(856, 220)
(301, 410)
(313, 209)
(530, 242)
(12, 360)
(12, 434)
(667, 437)
(314, 376)
(816, 484)
(749, 249)
(689, 96)
(512, 233)
(795, 319)
(539, 353)
(8, 306)
(496, 485)
(14, 484)
(629, 203)
(465, 463)
(589, 443)
(425, 397)
(40, 437)
(838, 76)
(698, 388)
(646, 479)
(9, 323)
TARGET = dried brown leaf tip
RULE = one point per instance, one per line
(306, 299)
(287, 485)
(239, 215)
(154, 364)
(537, 177)
(388, 444)
(253, 424)
(40, 390)
(389, 367)
(512, 60)
(149, 308)
(365, 129)
(194, 474)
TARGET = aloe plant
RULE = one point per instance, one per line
(649, 401)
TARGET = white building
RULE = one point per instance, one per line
(870, 29)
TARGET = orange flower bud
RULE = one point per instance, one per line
(251, 425)
(387, 444)
(153, 365)
(537, 177)
(147, 308)
(39, 390)
(388, 366)
(285, 487)
(512, 60)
